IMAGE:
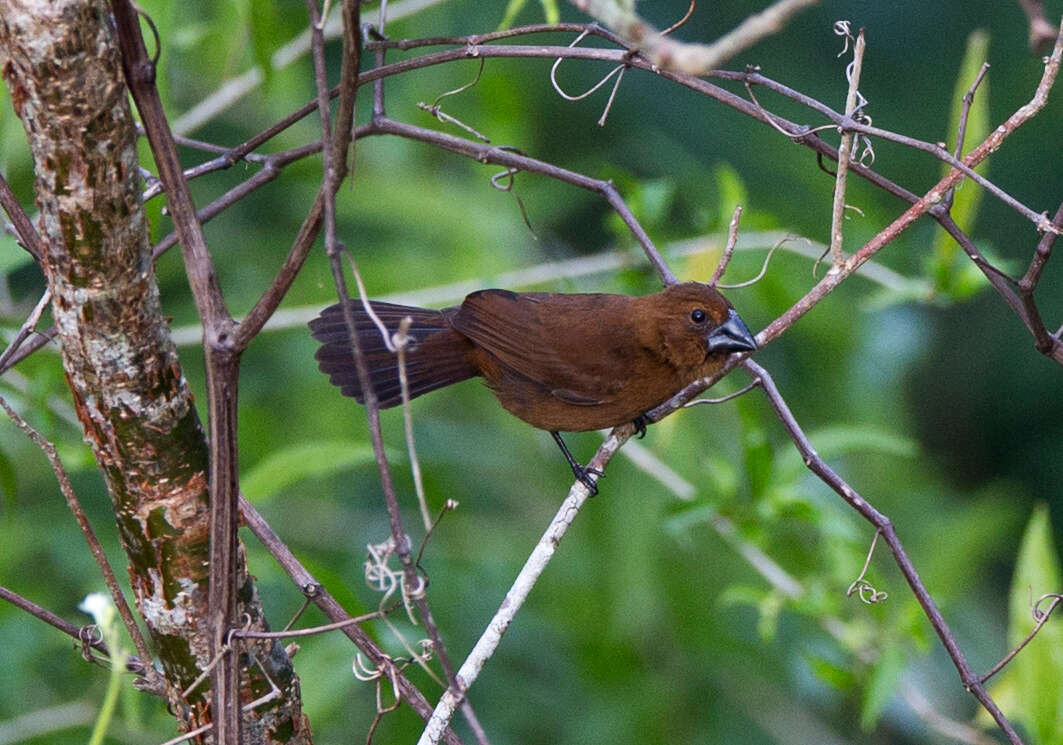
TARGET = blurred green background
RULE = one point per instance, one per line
(652, 624)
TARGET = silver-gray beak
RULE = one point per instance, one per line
(731, 336)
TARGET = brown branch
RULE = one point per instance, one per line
(222, 365)
(511, 159)
(1041, 619)
(271, 169)
(818, 466)
(335, 169)
(335, 612)
(80, 633)
(690, 58)
(25, 330)
(139, 72)
(1045, 342)
(1042, 32)
(227, 573)
(27, 234)
(122, 371)
(153, 681)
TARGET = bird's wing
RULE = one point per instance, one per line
(517, 329)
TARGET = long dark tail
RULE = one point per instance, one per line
(438, 356)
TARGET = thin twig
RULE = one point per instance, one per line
(1042, 619)
(324, 600)
(721, 399)
(518, 592)
(819, 467)
(845, 150)
(335, 169)
(691, 59)
(729, 247)
(965, 109)
(222, 365)
(402, 342)
(152, 676)
(27, 234)
(1045, 342)
(26, 329)
(133, 664)
(290, 633)
(860, 586)
(763, 267)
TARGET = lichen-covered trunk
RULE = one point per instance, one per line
(61, 64)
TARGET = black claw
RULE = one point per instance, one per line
(582, 473)
(640, 426)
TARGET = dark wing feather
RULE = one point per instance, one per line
(436, 359)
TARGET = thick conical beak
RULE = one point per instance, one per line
(732, 336)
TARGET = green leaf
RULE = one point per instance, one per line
(830, 673)
(1037, 669)
(969, 196)
(947, 259)
(732, 192)
(263, 21)
(844, 439)
(770, 607)
(305, 460)
(885, 675)
(513, 8)
(722, 474)
(550, 11)
(12, 256)
(684, 517)
(8, 480)
(756, 449)
(655, 198)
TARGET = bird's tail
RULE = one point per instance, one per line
(436, 357)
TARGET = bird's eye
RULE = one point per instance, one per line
(698, 315)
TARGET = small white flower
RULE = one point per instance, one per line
(99, 606)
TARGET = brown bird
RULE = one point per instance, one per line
(560, 362)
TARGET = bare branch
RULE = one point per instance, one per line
(845, 150)
(687, 58)
(527, 577)
(1042, 32)
(27, 234)
(1042, 617)
(67, 489)
(333, 610)
(133, 664)
(882, 523)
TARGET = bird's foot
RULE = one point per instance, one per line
(584, 475)
(640, 426)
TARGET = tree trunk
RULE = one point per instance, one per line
(61, 64)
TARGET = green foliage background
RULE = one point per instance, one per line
(649, 626)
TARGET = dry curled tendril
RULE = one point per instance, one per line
(861, 587)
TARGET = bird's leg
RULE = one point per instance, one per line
(581, 473)
(640, 426)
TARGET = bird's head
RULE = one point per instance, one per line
(692, 324)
